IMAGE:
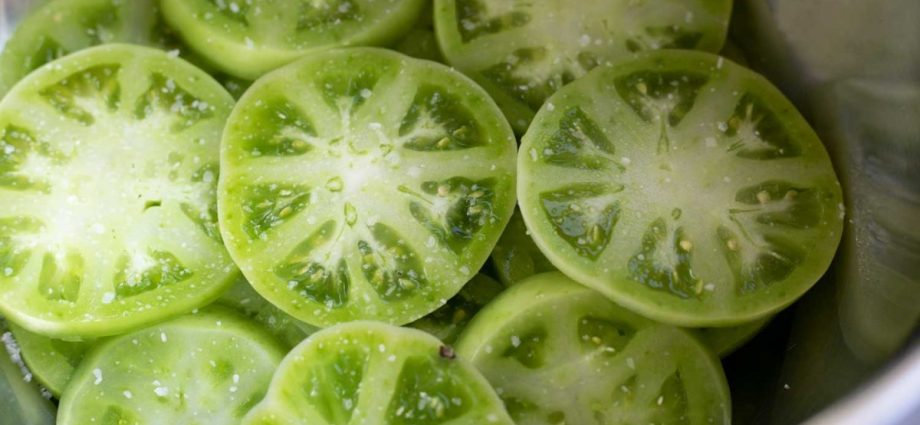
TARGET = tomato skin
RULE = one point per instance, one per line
(721, 211)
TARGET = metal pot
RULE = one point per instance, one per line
(848, 352)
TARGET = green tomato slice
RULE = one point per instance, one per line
(21, 401)
(248, 38)
(447, 322)
(724, 341)
(522, 52)
(558, 352)
(51, 361)
(682, 186)
(373, 373)
(516, 256)
(62, 27)
(211, 367)
(108, 205)
(364, 184)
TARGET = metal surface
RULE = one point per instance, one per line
(848, 352)
(850, 355)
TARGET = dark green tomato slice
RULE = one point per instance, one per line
(109, 163)
(557, 352)
(724, 341)
(248, 38)
(522, 52)
(22, 402)
(242, 298)
(447, 322)
(51, 361)
(516, 256)
(683, 187)
(364, 184)
(206, 368)
(62, 27)
(371, 373)
(421, 42)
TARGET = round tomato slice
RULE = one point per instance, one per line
(209, 368)
(447, 322)
(62, 27)
(558, 352)
(248, 38)
(368, 372)
(683, 187)
(109, 163)
(364, 184)
(53, 361)
(522, 52)
(22, 402)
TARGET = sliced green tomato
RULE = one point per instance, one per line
(516, 256)
(21, 401)
(371, 373)
(559, 353)
(242, 298)
(211, 367)
(62, 27)
(683, 187)
(108, 204)
(447, 322)
(51, 361)
(364, 184)
(724, 341)
(522, 52)
(248, 38)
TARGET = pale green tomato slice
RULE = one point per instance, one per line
(516, 256)
(557, 352)
(205, 368)
(683, 187)
(108, 208)
(364, 184)
(724, 341)
(523, 51)
(62, 27)
(21, 401)
(362, 373)
(247, 38)
(51, 361)
(447, 322)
